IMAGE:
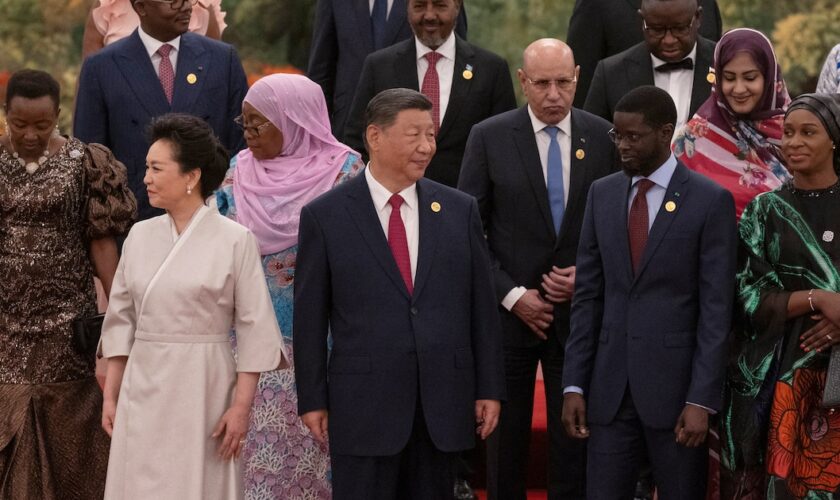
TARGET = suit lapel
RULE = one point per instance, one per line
(578, 171)
(526, 144)
(701, 72)
(429, 222)
(464, 55)
(639, 67)
(675, 194)
(364, 215)
(136, 66)
(361, 9)
(405, 65)
(192, 60)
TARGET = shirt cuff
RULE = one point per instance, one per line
(513, 297)
(573, 388)
(711, 411)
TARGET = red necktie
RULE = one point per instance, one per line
(398, 242)
(165, 71)
(431, 86)
(637, 226)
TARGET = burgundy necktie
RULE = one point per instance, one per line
(165, 71)
(431, 86)
(637, 225)
(398, 242)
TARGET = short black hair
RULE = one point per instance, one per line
(383, 109)
(654, 104)
(195, 146)
(32, 84)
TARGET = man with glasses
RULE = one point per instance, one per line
(651, 313)
(530, 170)
(673, 57)
(160, 68)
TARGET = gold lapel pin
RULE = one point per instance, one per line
(435, 207)
(191, 78)
(468, 73)
(670, 206)
(711, 76)
(580, 154)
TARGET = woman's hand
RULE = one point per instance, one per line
(821, 336)
(828, 304)
(109, 411)
(232, 428)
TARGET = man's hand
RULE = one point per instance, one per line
(574, 415)
(316, 421)
(486, 416)
(559, 284)
(534, 311)
(692, 426)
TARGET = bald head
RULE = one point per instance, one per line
(549, 78)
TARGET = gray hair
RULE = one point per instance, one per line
(383, 109)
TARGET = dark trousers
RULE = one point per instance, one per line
(508, 447)
(617, 450)
(419, 472)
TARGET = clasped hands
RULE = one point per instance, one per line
(538, 312)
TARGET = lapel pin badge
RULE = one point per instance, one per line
(711, 76)
(468, 72)
(670, 206)
(676, 194)
(435, 207)
(580, 154)
(191, 78)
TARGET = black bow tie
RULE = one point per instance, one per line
(686, 63)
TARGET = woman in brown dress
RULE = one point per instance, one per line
(61, 205)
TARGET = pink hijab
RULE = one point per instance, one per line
(269, 194)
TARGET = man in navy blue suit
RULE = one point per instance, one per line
(651, 311)
(395, 268)
(128, 83)
(344, 33)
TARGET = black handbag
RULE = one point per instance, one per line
(831, 393)
(86, 333)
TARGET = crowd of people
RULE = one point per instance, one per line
(332, 285)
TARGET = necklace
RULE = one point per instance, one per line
(32, 166)
(813, 193)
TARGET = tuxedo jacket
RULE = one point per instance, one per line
(341, 40)
(617, 75)
(661, 332)
(595, 35)
(488, 92)
(442, 342)
(120, 93)
(502, 169)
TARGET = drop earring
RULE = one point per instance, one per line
(189, 189)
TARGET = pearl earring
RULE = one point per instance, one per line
(189, 189)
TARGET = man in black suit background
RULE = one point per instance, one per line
(465, 83)
(601, 28)
(530, 170)
(344, 33)
(673, 57)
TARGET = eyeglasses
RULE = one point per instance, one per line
(631, 138)
(544, 85)
(177, 4)
(252, 129)
(659, 32)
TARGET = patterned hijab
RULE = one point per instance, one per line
(270, 193)
(739, 152)
(826, 107)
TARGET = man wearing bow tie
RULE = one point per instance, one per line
(673, 57)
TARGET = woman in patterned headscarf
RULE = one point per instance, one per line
(778, 439)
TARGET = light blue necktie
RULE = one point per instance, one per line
(555, 179)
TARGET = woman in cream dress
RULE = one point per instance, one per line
(176, 401)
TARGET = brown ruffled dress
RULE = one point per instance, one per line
(51, 442)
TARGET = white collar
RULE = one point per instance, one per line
(691, 55)
(662, 175)
(565, 125)
(447, 49)
(381, 195)
(153, 44)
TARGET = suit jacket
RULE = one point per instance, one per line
(594, 36)
(342, 38)
(502, 169)
(619, 74)
(664, 331)
(487, 93)
(119, 94)
(443, 342)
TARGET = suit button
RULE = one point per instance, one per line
(414, 311)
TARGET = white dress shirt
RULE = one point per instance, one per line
(152, 45)
(678, 84)
(408, 211)
(387, 12)
(445, 68)
(543, 141)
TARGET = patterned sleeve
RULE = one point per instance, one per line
(111, 207)
(224, 195)
(353, 164)
(829, 82)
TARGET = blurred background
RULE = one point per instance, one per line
(273, 35)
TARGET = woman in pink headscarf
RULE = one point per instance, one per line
(292, 158)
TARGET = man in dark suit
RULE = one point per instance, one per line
(395, 268)
(530, 170)
(651, 311)
(601, 28)
(465, 83)
(344, 33)
(672, 57)
(160, 68)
